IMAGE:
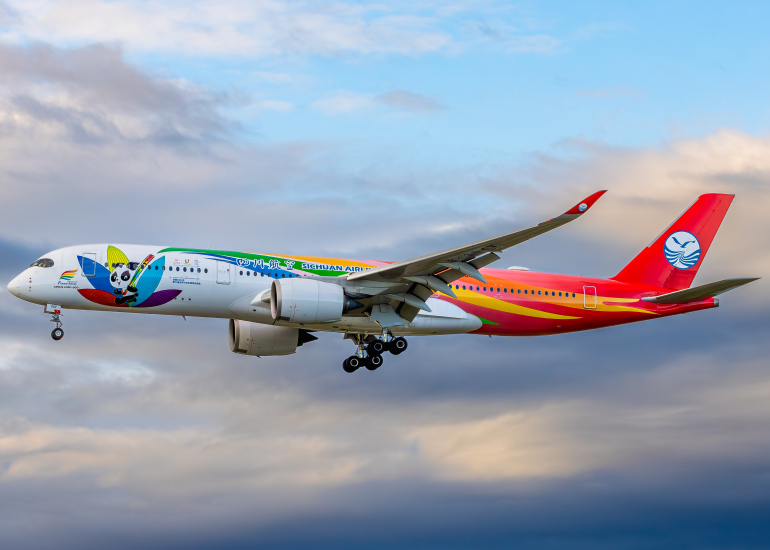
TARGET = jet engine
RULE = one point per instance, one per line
(309, 301)
(257, 339)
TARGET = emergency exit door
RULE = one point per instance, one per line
(589, 297)
(223, 273)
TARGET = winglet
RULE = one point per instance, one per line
(583, 206)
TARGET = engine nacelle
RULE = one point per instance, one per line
(257, 339)
(308, 301)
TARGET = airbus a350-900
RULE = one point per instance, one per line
(275, 303)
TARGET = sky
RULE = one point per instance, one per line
(384, 131)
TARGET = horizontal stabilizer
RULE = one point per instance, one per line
(698, 293)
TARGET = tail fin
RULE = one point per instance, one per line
(673, 259)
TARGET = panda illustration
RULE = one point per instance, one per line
(120, 280)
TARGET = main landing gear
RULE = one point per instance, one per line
(370, 350)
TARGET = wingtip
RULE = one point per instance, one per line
(583, 206)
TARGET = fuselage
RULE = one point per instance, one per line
(224, 284)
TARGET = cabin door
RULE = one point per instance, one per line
(589, 297)
(223, 273)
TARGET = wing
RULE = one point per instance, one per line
(434, 272)
(453, 258)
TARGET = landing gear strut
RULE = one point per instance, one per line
(58, 332)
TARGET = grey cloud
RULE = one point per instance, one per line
(409, 101)
(194, 452)
(105, 98)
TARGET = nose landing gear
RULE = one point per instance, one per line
(58, 332)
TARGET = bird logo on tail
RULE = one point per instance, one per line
(682, 249)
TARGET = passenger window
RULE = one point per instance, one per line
(518, 291)
(262, 274)
(573, 294)
(498, 290)
(463, 287)
(199, 270)
(525, 291)
(184, 269)
(559, 293)
(205, 269)
(241, 272)
(505, 290)
(539, 293)
(177, 268)
(485, 289)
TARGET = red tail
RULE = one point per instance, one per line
(673, 259)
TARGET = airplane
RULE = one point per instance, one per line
(275, 303)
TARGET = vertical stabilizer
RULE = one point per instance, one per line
(673, 259)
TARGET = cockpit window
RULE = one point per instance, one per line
(43, 262)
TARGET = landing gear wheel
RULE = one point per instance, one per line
(376, 347)
(57, 333)
(352, 363)
(398, 345)
(374, 362)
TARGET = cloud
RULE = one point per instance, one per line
(503, 35)
(594, 434)
(401, 101)
(650, 187)
(343, 102)
(234, 27)
(92, 94)
(270, 28)
(409, 102)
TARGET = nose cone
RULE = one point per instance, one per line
(13, 286)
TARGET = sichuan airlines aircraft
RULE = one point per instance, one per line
(275, 302)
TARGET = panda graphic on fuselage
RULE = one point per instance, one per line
(120, 280)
